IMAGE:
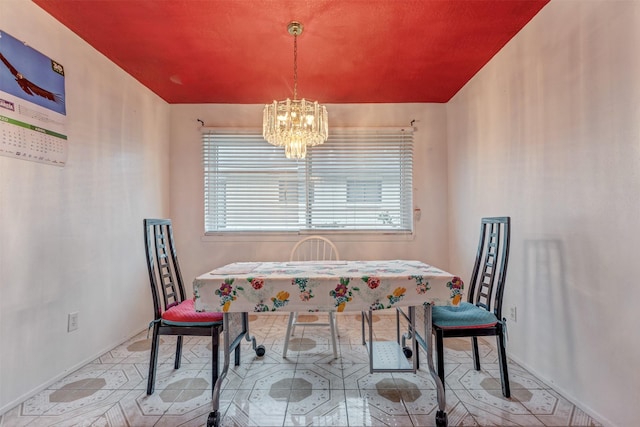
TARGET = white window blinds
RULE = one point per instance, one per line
(359, 180)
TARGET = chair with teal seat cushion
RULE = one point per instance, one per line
(481, 315)
(174, 313)
(466, 315)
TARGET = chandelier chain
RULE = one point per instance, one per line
(295, 66)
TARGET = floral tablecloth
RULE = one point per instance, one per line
(308, 286)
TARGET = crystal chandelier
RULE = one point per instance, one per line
(298, 123)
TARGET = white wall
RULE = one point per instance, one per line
(71, 238)
(198, 254)
(549, 133)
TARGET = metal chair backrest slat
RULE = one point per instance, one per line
(489, 270)
(167, 287)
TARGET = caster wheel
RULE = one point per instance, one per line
(213, 420)
(407, 352)
(260, 351)
(441, 419)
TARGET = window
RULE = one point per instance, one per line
(359, 180)
(363, 191)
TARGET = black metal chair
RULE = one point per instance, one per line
(481, 315)
(174, 314)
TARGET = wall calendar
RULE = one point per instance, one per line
(32, 104)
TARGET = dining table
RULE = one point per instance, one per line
(319, 286)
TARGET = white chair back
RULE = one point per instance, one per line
(314, 248)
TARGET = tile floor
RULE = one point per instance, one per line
(309, 388)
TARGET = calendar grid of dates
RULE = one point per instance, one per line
(29, 142)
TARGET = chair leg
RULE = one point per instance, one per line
(332, 328)
(295, 321)
(440, 351)
(288, 334)
(215, 340)
(476, 353)
(176, 364)
(502, 358)
(153, 360)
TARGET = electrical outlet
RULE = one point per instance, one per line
(72, 322)
(513, 314)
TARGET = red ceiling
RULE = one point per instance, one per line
(351, 51)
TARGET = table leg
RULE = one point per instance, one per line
(229, 346)
(441, 414)
(259, 349)
(214, 416)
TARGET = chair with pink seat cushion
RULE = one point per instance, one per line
(174, 314)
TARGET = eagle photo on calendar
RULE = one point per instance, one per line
(28, 86)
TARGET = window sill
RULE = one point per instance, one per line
(336, 236)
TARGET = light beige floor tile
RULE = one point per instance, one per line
(137, 414)
(552, 409)
(421, 378)
(308, 388)
(319, 378)
(79, 411)
(364, 408)
(491, 409)
(424, 413)
(518, 377)
(256, 408)
(318, 408)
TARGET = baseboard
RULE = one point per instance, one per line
(60, 376)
